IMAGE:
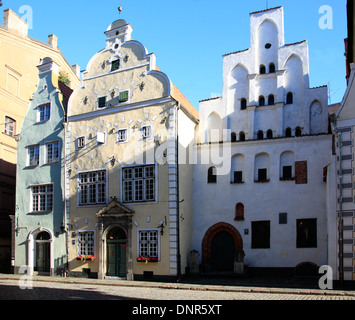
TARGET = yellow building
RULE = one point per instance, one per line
(128, 198)
(19, 55)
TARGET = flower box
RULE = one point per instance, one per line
(85, 258)
(147, 259)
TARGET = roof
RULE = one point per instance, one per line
(66, 92)
(227, 54)
(265, 10)
(215, 98)
(178, 96)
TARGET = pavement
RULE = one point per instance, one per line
(247, 284)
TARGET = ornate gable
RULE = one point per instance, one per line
(115, 209)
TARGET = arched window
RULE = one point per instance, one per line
(272, 67)
(212, 176)
(43, 236)
(269, 134)
(288, 132)
(287, 165)
(261, 101)
(243, 104)
(233, 137)
(271, 100)
(298, 132)
(241, 136)
(262, 69)
(261, 167)
(260, 135)
(289, 99)
(239, 212)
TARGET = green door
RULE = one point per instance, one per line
(42, 256)
(222, 252)
(116, 258)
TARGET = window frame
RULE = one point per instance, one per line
(39, 112)
(46, 152)
(212, 176)
(139, 188)
(139, 242)
(78, 147)
(145, 137)
(8, 124)
(123, 101)
(87, 192)
(113, 64)
(98, 102)
(29, 156)
(83, 244)
(39, 194)
(127, 135)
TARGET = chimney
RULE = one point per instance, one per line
(14, 24)
(53, 41)
(76, 69)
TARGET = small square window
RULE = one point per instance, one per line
(122, 135)
(123, 96)
(283, 218)
(80, 142)
(10, 126)
(287, 172)
(102, 102)
(115, 65)
(262, 174)
(146, 132)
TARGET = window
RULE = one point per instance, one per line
(262, 174)
(44, 112)
(138, 184)
(268, 46)
(298, 132)
(261, 101)
(212, 176)
(86, 243)
(92, 187)
(269, 134)
(33, 155)
(102, 102)
(122, 135)
(287, 172)
(289, 99)
(146, 132)
(241, 136)
(80, 142)
(239, 212)
(262, 69)
(233, 137)
(115, 65)
(243, 104)
(271, 100)
(42, 198)
(52, 149)
(238, 177)
(288, 132)
(306, 233)
(283, 218)
(10, 126)
(123, 96)
(260, 135)
(148, 243)
(260, 238)
(272, 68)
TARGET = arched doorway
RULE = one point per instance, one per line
(43, 256)
(116, 244)
(221, 245)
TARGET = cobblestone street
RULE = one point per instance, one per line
(90, 289)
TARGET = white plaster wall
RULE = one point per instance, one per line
(215, 203)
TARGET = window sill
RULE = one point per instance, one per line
(41, 212)
(288, 179)
(239, 219)
(261, 181)
(240, 182)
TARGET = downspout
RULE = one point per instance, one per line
(177, 193)
(341, 224)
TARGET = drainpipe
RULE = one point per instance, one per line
(341, 224)
(177, 193)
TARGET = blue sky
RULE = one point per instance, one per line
(189, 37)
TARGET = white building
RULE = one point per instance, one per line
(266, 196)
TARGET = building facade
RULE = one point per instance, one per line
(127, 125)
(259, 195)
(40, 238)
(20, 55)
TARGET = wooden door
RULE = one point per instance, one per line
(222, 252)
(43, 256)
(116, 258)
